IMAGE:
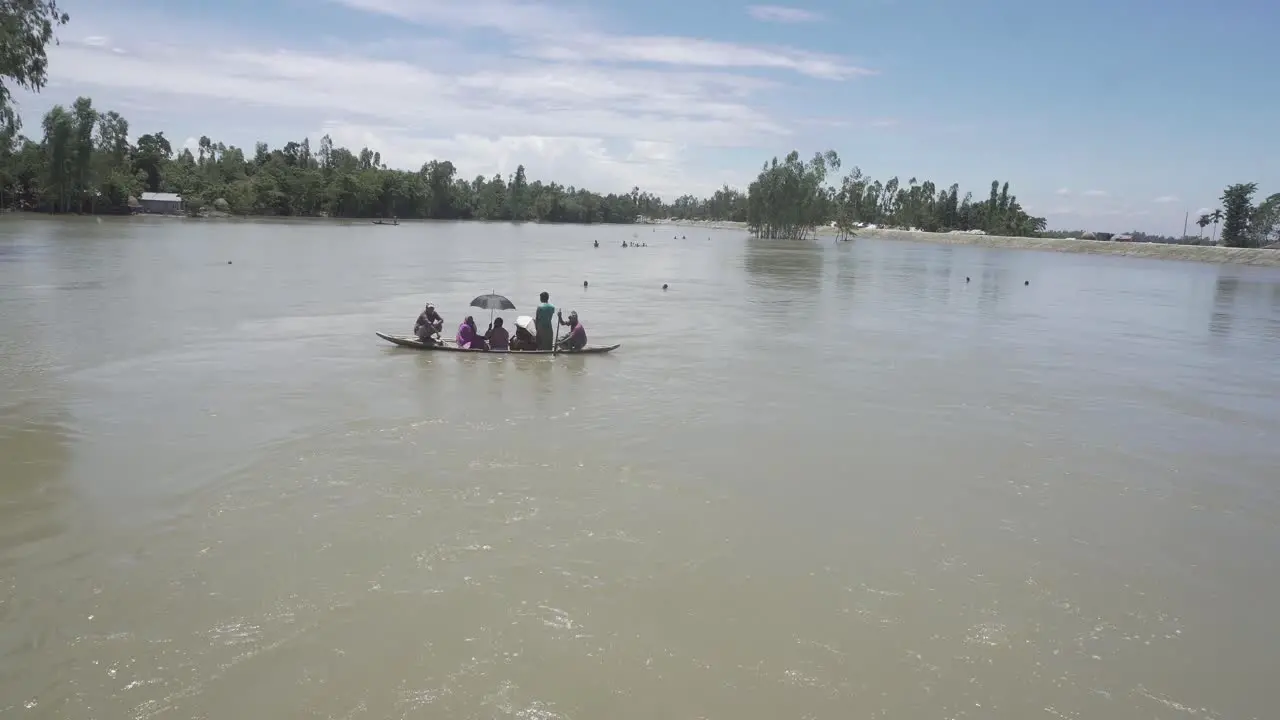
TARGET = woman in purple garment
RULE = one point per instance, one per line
(468, 338)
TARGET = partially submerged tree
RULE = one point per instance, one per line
(791, 198)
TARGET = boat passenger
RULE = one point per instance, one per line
(542, 321)
(468, 338)
(577, 337)
(523, 339)
(498, 337)
(429, 323)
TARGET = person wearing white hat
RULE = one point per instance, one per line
(524, 338)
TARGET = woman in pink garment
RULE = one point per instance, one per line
(467, 337)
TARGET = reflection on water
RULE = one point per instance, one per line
(1245, 300)
(1224, 300)
(35, 450)
(783, 264)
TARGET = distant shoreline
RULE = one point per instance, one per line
(1256, 257)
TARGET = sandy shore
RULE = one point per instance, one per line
(1189, 253)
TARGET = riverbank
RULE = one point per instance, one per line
(1159, 251)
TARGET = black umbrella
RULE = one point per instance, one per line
(492, 302)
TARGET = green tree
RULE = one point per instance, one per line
(26, 28)
(152, 154)
(1215, 217)
(59, 147)
(1264, 226)
(1203, 222)
(1238, 201)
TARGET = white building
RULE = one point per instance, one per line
(160, 203)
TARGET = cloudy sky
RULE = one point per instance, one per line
(1105, 115)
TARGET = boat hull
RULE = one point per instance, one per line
(414, 343)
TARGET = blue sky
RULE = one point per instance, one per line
(1102, 115)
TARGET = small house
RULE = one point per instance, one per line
(160, 203)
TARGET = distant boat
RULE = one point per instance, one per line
(384, 222)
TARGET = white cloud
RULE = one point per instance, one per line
(1166, 199)
(1063, 192)
(581, 161)
(538, 99)
(780, 14)
(552, 33)
(1094, 193)
(95, 40)
(514, 17)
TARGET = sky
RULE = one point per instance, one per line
(1108, 116)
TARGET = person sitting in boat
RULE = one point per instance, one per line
(468, 338)
(429, 323)
(524, 338)
(498, 337)
(577, 337)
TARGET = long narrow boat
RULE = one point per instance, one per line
(408, 341)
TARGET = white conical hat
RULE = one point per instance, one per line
(525, 322)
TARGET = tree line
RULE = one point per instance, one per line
(84, 162)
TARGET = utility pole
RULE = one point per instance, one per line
(1185, 218)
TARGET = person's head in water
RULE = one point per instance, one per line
(545, 296)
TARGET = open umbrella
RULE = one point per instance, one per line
(492, 302)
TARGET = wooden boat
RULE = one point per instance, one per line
(408, 341)
(384, 222)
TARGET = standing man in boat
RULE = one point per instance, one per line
(542, 318)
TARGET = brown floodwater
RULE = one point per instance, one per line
(818, 480)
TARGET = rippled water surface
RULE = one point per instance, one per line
(874, 479)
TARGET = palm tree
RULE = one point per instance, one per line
(1203, 222)
(1215, 217)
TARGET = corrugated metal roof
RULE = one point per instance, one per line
(161, 197)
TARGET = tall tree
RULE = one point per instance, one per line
(1238, 201)
(153, 152)
(59, 146)
(86, 119)
(1215, 217)
(1264, 226)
